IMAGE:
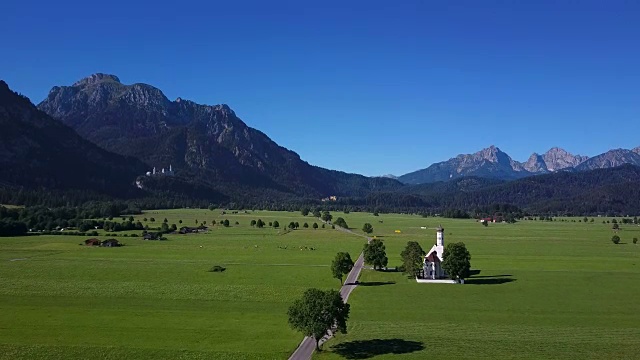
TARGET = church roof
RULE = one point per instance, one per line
(438, 250)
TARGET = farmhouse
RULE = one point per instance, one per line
(189, 230)
(92, 242)
(110, 243)
(432, 264)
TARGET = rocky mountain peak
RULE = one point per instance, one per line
(557, 159)
(535, 164)
(492, 153)
(96, 78)
(636, 150)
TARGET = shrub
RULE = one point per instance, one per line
(635, 240)
(615, 239)
(218, 268)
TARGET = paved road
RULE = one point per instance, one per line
(308, 345)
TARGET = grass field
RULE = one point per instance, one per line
(156, 299)
(545, 290)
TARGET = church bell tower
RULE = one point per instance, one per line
(440, 236)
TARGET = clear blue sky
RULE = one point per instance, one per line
(372, 87)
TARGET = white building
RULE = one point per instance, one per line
(432, 267)
(162, 172)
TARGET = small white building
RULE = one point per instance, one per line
(432, 268)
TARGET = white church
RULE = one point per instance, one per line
(433, 260)
(432, 263)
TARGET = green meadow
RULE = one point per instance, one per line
(541, 290)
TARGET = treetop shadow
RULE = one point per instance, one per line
(489, 280)
(376, 283)
(365, 349)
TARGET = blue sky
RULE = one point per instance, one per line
(371, 87)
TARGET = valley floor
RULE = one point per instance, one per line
(542, 290)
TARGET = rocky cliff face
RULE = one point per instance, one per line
(611, 158)
(44, 153)
(138, 120)
(536, 164)
(558, 159)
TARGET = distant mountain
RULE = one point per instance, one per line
(37, 151)
(557, 159)
(495, 164)
(600, 191)
(209, 142)
(489, 163)
(611, 158)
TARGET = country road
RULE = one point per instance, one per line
(308, 345)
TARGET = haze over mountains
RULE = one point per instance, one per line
(496, 164)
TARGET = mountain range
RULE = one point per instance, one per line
(208, 143)
(96, 140)
(37, 151)
(496, 164)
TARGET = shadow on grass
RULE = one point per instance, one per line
(365, 349)
(474, 272)
(376, 283)
(489, 280)
(491, 276)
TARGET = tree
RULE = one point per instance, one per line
(341, 265)
(131, 218)
(165, 220)
(615, 226)
(292, 225)
(145, 219)
(276, 224)
(615, 239)
(305, 225)
(585, 219)
(152, 219)
(340, 222)
(317, 312)
(180, 221)
(297, 225)
(412, 258)
(225, 223)
(253, 223)
(635, 240)
(316, 213)
(173, 227)
(164, 227)
(315, 225)
(456, 260)
(213, 222)
(367, 228)
(375, 254)
(326, 216)
(260, 223)
(304, 211)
